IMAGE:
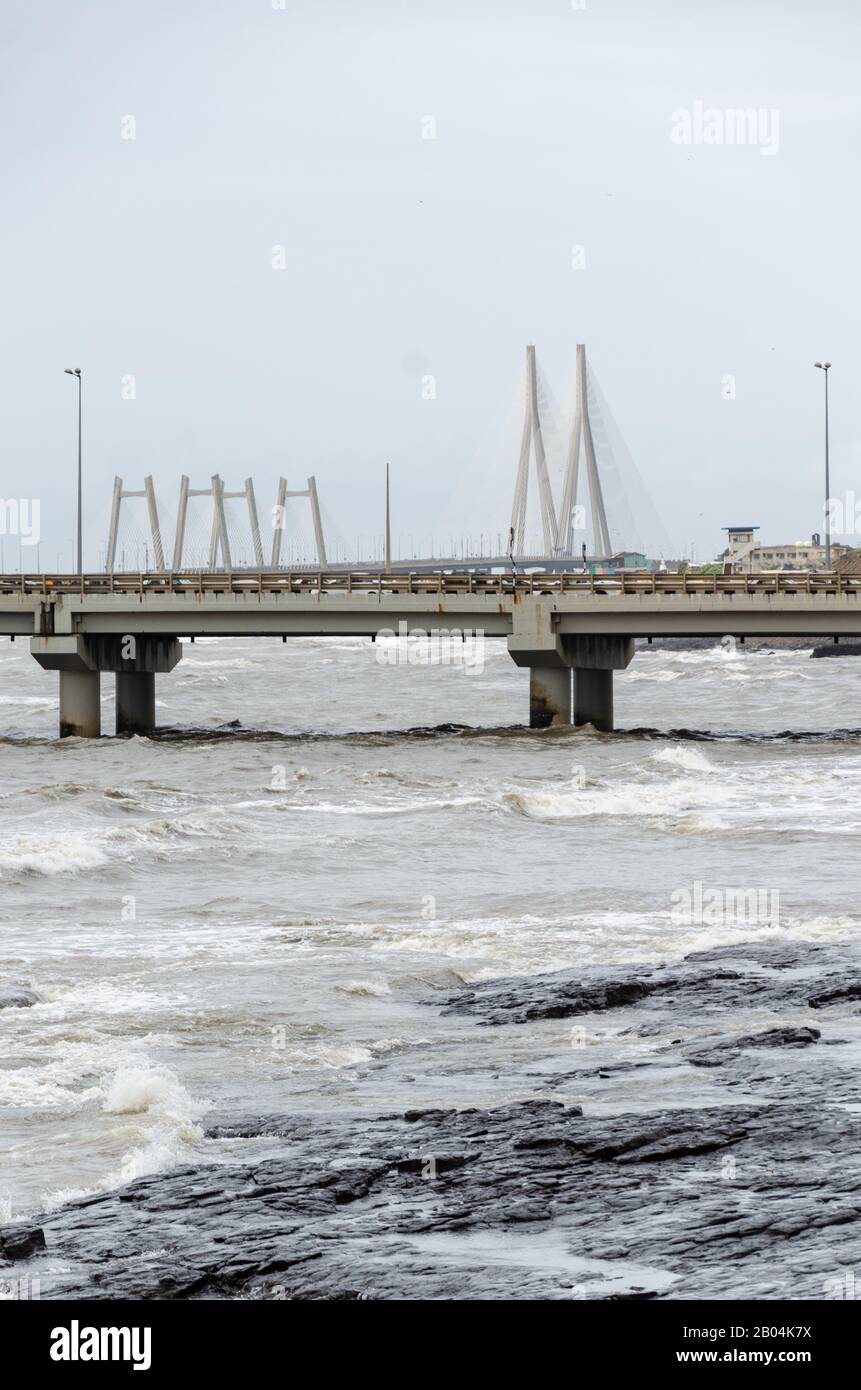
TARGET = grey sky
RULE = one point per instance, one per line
(258, 127)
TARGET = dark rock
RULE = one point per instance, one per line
(775, 1037)
(707, 982)
(545, 996)
(17, 997)
(760, 1178)
(20, 1242)
(837, 649)
(838, 995)
(636, 1294)
(528, 1211)
(532, 1165)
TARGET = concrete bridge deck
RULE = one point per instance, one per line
(556, 624)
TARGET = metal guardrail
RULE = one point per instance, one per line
(501, 585)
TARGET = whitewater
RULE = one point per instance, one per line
(256, 909)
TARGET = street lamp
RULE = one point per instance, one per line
(824, 367)
(76, 371)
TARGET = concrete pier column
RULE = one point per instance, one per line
(534, 642)
(135, 702)
(549, 696)
(135, 660)
(80, 710)
(79, 661)
(80, 704)
(593, 698)
(594, 658)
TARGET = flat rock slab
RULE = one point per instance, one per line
(735, 977)
(773, 1037)
(756, 1194)
(761, 1200)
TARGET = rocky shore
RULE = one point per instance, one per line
(744, 1182)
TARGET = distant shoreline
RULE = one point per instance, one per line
(816, 647)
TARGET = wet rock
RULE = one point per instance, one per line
(618, 1190)
(837, 649)
(412, 1115)
(748, 975)
(754, 1178)
(839, 995)
(775, 1037)
(17, 997)
(547, 996)
(20, 1242)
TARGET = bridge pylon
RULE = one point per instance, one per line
(533, 441)
(581, 432)
(279, 514)
(120, 495)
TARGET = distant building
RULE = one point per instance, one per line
(631, 560)
(799, 555)
(744, 556)
(740, 544)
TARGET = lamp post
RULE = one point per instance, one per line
(824, 367)
(388, 525)
(76, 371)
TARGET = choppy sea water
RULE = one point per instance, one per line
(263, 917)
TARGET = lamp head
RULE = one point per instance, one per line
(72, 371)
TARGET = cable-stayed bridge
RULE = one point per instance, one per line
(577, 494)
(216, 535)
(603, 507)
(571, 626)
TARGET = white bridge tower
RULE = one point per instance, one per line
(532, 439)
(219, 539)
(581, 431)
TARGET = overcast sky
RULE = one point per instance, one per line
(406, 257)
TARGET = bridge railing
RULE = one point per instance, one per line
(325, 581)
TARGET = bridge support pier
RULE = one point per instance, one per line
(135, 661)
(135, 702)
(80, 660)
(553, 656)
(593, 698)
(80, 704)
(535, 642)
(594, 659)
(80, 691)
(549, 696)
